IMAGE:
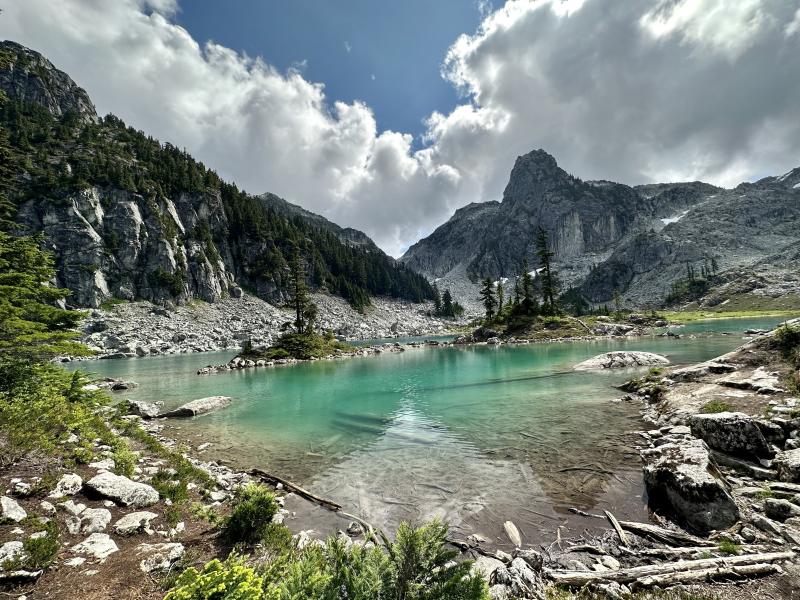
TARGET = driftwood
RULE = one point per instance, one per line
(581, 578)
(513, 533)
(623, 539)
(690, 550)
(701, 575)
(292, 487)
(665, 536)
(588, 549)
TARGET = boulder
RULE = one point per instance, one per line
(146, 410)
(11, 551)
(95, 520)
(621, 359)
(200, 406)
(682, 479)
(97, 545)
(780, 510)
(134, 522)
(10, 510)
(69, 485)
(159, 557)
(122, 490)
(787, 465)
(732, 432)
(612, 329)
(485, 566)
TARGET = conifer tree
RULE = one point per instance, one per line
(528, 303)
(447, 304)
(488, 298)
(437, 300)
(304, 309)
(500, 297)
(549, 280)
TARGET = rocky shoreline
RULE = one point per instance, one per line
(139, 329)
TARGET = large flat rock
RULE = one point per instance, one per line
(622, 359)
(682, 479)
(122, 490)
(200, 406)
(732, 432)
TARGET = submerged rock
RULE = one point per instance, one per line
(681, 477)
(733, 432)
(200, 406)
(122, 490)
(621, 359)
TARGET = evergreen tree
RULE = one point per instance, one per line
(528, 304)
(517, 293)
(549, 279)
(500, 297)
(304, 313)
(437, 300)
(447, 304)
(714, 265)
(488, 298)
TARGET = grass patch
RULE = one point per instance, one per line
(112, 302)
(765, 493)
(715, 406)
(729, 547)
(38, 553)
(705, 315)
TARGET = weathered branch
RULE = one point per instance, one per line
(581, 578)
(623, 539)
(665, 536)
(743, 571)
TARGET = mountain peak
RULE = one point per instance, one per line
(27, 76)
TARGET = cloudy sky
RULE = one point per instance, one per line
(389, 121)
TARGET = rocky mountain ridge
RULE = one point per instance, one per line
(611, 237)
(130, 218)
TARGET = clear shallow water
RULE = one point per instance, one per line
(475, 435)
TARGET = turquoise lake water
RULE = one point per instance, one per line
(476, 435)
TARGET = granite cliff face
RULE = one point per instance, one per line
(608, 236)
(130, 218)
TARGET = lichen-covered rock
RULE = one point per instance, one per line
(122, 490)
(95, 520)
(134, 522)
(10, 510)
(732, 432)
(780, 510)
(97, 545)
(146, 410)
(788, 465)
(683, 480)
(159, 557)
(69, 485)
(622, 359)
(200, 406)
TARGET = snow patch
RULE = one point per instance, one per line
(674, 218)
(796, 186)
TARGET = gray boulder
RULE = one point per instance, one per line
(622, 359)
(733, 432)
(200, 406)
(134, 522)
(10, 510)
(97, 545)
(95, 520)
(146, 410)
(780, 510)
(69, 485)
(681, 478)
(159, 557)
(122, 490)
(788, 465)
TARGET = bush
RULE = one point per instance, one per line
(254, 505)
(228, 580)
(300, 345)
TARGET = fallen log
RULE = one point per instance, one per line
(623, 539)
(581, 578)
(756, 570)
(292, 487)
(665, 536)
(690, 550)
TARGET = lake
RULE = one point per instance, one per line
(475, 435)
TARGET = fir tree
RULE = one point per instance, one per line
(299, 292)
(447, 304)
(488, 298)
(437, 300)
(528, 304)
(500, 297)
(549, 279)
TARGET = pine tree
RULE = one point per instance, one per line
(500, 297)
(528, 303)
(488, 298)
(714, 265)
(549, 279)
(447, 304)
(299, 291)
(437, 300)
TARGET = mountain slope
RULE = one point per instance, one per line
(128, 217)
(608, 236)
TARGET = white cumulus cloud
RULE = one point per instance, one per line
(632, 91)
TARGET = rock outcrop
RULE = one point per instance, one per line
(682, 479)
(735, 433)
(621, 359)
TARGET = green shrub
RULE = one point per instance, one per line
(715, 406)
(124, 459)
(253, 507)
(42, 551)
(302, 346)
(729, 547)
(787, 339)
(218, 580)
